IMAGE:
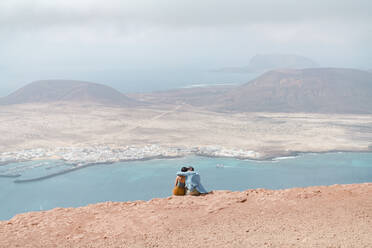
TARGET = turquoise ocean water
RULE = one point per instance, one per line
(144, 180)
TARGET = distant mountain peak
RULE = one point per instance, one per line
(311, 90)
(67, 91)
(263, 62)
(321, 90)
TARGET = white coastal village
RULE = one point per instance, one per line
(106, 154)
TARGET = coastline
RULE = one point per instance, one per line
(80, 163)
(108, 155)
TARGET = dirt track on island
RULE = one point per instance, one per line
(324, 216)
(49, 126)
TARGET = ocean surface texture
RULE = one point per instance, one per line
(144, 180)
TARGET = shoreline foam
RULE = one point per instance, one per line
(107, 154)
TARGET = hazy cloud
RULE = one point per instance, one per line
(146, 43)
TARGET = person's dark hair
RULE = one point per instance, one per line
(191, 168)
(184, 169)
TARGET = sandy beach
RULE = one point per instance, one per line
(321, 216)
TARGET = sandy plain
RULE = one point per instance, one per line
(30, 126)
(321, 216)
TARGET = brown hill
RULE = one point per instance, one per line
(324, 90)
(67, 91)
(315, 90)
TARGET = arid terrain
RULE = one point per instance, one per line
(45, 125)
(333, 216)
(97, 131)
(279, 113)
(109, 109)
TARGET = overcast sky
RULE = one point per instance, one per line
(138, 45)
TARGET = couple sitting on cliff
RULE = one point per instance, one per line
(188, 183)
